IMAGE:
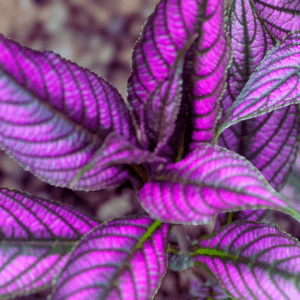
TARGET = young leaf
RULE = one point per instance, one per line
(113, 153)
(167, 32)
(210, 63)
(36, 238)
(273, 85)
(269, 142)
(112, 263)
(280, 17)
(253, 261)
(160, 111)
(55, 115)
(209, 181)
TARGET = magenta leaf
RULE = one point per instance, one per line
(55, 115)
(280, 17)
(250, 42)
(209, 181)
(269, 142)
(252, 261)
(162, 107)
(36, 238)
(102, 171)
(273, 85)
(168, 32)
(112, 263)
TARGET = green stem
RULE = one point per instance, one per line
(292, 212)
(218, 133)
(213, 252)
(229, 218)
(148, 233)
(172, 250)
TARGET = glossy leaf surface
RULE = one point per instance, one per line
(114, 151)
(269, 142)
(167, 32)
(55, 115)
(209, 181)
(280, 17)
(250, 42)
(111, 263)
(253, 261)
(36, 238)
(161, 109)
(273, 85)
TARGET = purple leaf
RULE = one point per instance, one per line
(245, 255)
(209, 181)
(273, 85)
(250, 215)
(250, 42)
(110, 263)
(114, 151)
(280, 17)
(269, 142)
(207, 291)
(36, 238)
(55, 115)
(257, 215)
(162, 107)
(168, 32)
(209, 73)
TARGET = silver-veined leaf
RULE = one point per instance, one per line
(253, 261)
(120, 259)
(36, 239)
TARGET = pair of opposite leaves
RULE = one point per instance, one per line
(59, 120)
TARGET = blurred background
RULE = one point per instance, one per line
(98, 35)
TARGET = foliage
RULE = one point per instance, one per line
(209, 128)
